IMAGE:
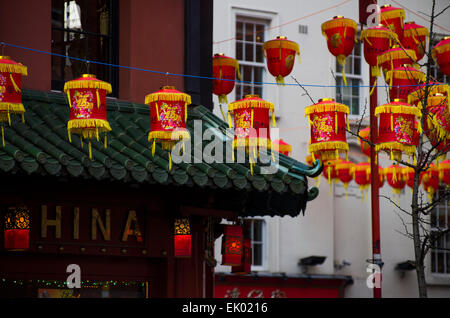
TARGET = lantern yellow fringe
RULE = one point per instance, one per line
(398, 54)
(392, 14)
(282, 44)
(375, 70)
(3, 136)
(169, 135)
(373, 87)
(171, 97)
(14, 68)
(397, 109)
(377, 33)
(229, 119)
(252, 142)
(405, 74)
(337, 23)
(226, 61)
(98, 98)
(330, 145)
(15, 108)
(440, 49)
(416, 32)
(16, 88)
(327, 107)
(223, 99)
(395, 146)
(249, 104)
(97, 84)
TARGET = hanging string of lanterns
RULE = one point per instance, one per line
(280, 56)
(11, 73)
(168, 116)
(340, 34)
(87, 101)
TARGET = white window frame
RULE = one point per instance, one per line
(264, 244)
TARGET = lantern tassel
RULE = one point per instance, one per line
(280, 80)
(16, 88)
(392, 122)
(252, 115)
(70, 137)
(170, 161)
(373, 87)
(3, 136)
(329, 174)
(68, 98)
(90, 150)
(229, 119)
(157, 111)
(274, 123)
(335, 122)
(185, 112)
(348, 123)
(96, 134)
(153, 147)
(98, 98)
(9, 118)
(223, 99)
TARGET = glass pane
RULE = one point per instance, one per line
(257, 230)
(357, 49)
(259, 33)
(249, 56)
(247, 89)
(433, 219)
(448, 263)
(259, 53)
(239, 27)
(257, 254)
(433, 261)
(440, 262)
(348, 66)
(249, 32)
(239, 49)
(357, 66)
(258, 90)
(246, 73)
(355, 106)
(441, 216)
(57, 13)
(257, 74)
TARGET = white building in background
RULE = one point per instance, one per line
(334, 227)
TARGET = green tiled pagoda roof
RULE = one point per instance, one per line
(40, 146)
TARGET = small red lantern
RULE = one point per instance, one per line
(441, 55)
(17, 228)
(340, 35)
(232, 245)
(246, 265)
(392, 18)
(395, 57)
(182, 238)
(408, 175)
(444, 172)
(280, 54)
(403, 80)
(364, 134)
(168, 116)
(438, 116)
(344, 172)
(11, 74)
(282, 147)
(396, 129)
(251, 125)
(328, 121)
(414, 38)
(395, 178)
(87, 100)
(361, 175)
(329, 169)
(377, 40)
(224, 72)
(430, 180)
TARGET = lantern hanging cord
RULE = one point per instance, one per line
(198, 76)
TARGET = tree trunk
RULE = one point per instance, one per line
(420, 268)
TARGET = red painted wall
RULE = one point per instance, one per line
(28, 24)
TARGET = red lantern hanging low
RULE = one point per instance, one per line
(11, 74)
(87, 100)
(444, 172)
(395, 178)
(251, 125)
(224, 71)
(246, 265)
(395, 57)
(329, 171)
(17, 228)
(430, 181)
(403, 80)
(396, 129)
(438, 117)
(377, 40)
(340, 35)
(232, 245)
(168, 116)
(441, 55)
(344, 172)
(282, 147)
(414, 38)
(280, 54)
(328, 121)
(182, 238)
(393, 18)
(362, 176)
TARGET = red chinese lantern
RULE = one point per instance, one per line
(251, 125)
(444, 172)
(11, 74)
(403, 80)
(224, 72)
(280, 54)
(329, 170)
(344, 172)
(395, 178)
(168, 116)
(87, 100)
(364, 134)
(395, 57)
(430, 180)
(415, 38)
(408, 175)
(182, 238)
(392, 18)
(361, 175)
(246, 262)
(441, 55)
(328, 121)
(282, 147)
(17, 228)
(232, 245)
(340, 35)
(396, 129)
(438, 116)
(377, 40)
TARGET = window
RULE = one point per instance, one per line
(440, 254)
(256, 230)
(87, 30)
(350, 95)
(249, 53)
